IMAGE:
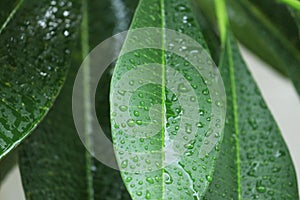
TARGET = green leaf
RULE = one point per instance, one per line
(36, 40)
(53, 161)
(149, 114)
(6, 165)
(264, 31)
(294, 8)
(254, 162)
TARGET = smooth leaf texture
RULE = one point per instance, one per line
(295, 12)
(35, 42)
(153, 104)
(270, 33)
(53, 162)
(254, 162)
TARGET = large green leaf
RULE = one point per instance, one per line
(53, 162)
(254, 162)
(35, 43)
(256, 27)
(294, 8)
(154, 106)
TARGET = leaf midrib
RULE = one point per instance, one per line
(225, 41)
(235, 116)
(163, 93)
(11, 15)
(86, 94)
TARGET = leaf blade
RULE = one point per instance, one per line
(158, 182)
(54, 153)
(32, 74)
(277, 46)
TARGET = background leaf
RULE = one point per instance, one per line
(273, 37)
(53, 162)
(254, 162)
(33, 65)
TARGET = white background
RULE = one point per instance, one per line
(279, 94)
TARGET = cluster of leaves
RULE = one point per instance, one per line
(44, 42)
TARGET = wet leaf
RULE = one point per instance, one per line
(54, 163)
(254, 161)
(161, 105)
(269, 33)
(35, 45)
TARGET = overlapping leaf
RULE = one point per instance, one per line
(53, 162)
(35, 43)
(270, 33)
(254, 162)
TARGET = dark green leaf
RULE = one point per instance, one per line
(162, 108)
(35, 43)
(258, 29)
(7, 164)
(254, 162)
(53, 162)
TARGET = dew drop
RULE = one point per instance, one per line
(148, 195)
(130, 123)
(182, 88)
(136, 113)
(208, 178)
(150, 180)
(124, 164)
(123, 108)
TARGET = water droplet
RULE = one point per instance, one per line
(209, 178)
(181, 8)
(66, 33)
(182, 88)
(135, 159)
(200, 125)
(66, 13)
(128, 179)
(205, 92)
(148, 195)
(141, 95)
(132, 61)
(168, 178)
(150, 180)
(193, 99)
(261, 189)
(123, 108)
(131, 82)
(124, 164)
(136, 113)
(43, 74)
(121, 92)
(188, 128)
(130, 123)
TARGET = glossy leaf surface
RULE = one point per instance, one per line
(35, 42)
(269, 33)
(166, 102)
(54, 163)
(254, 162)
